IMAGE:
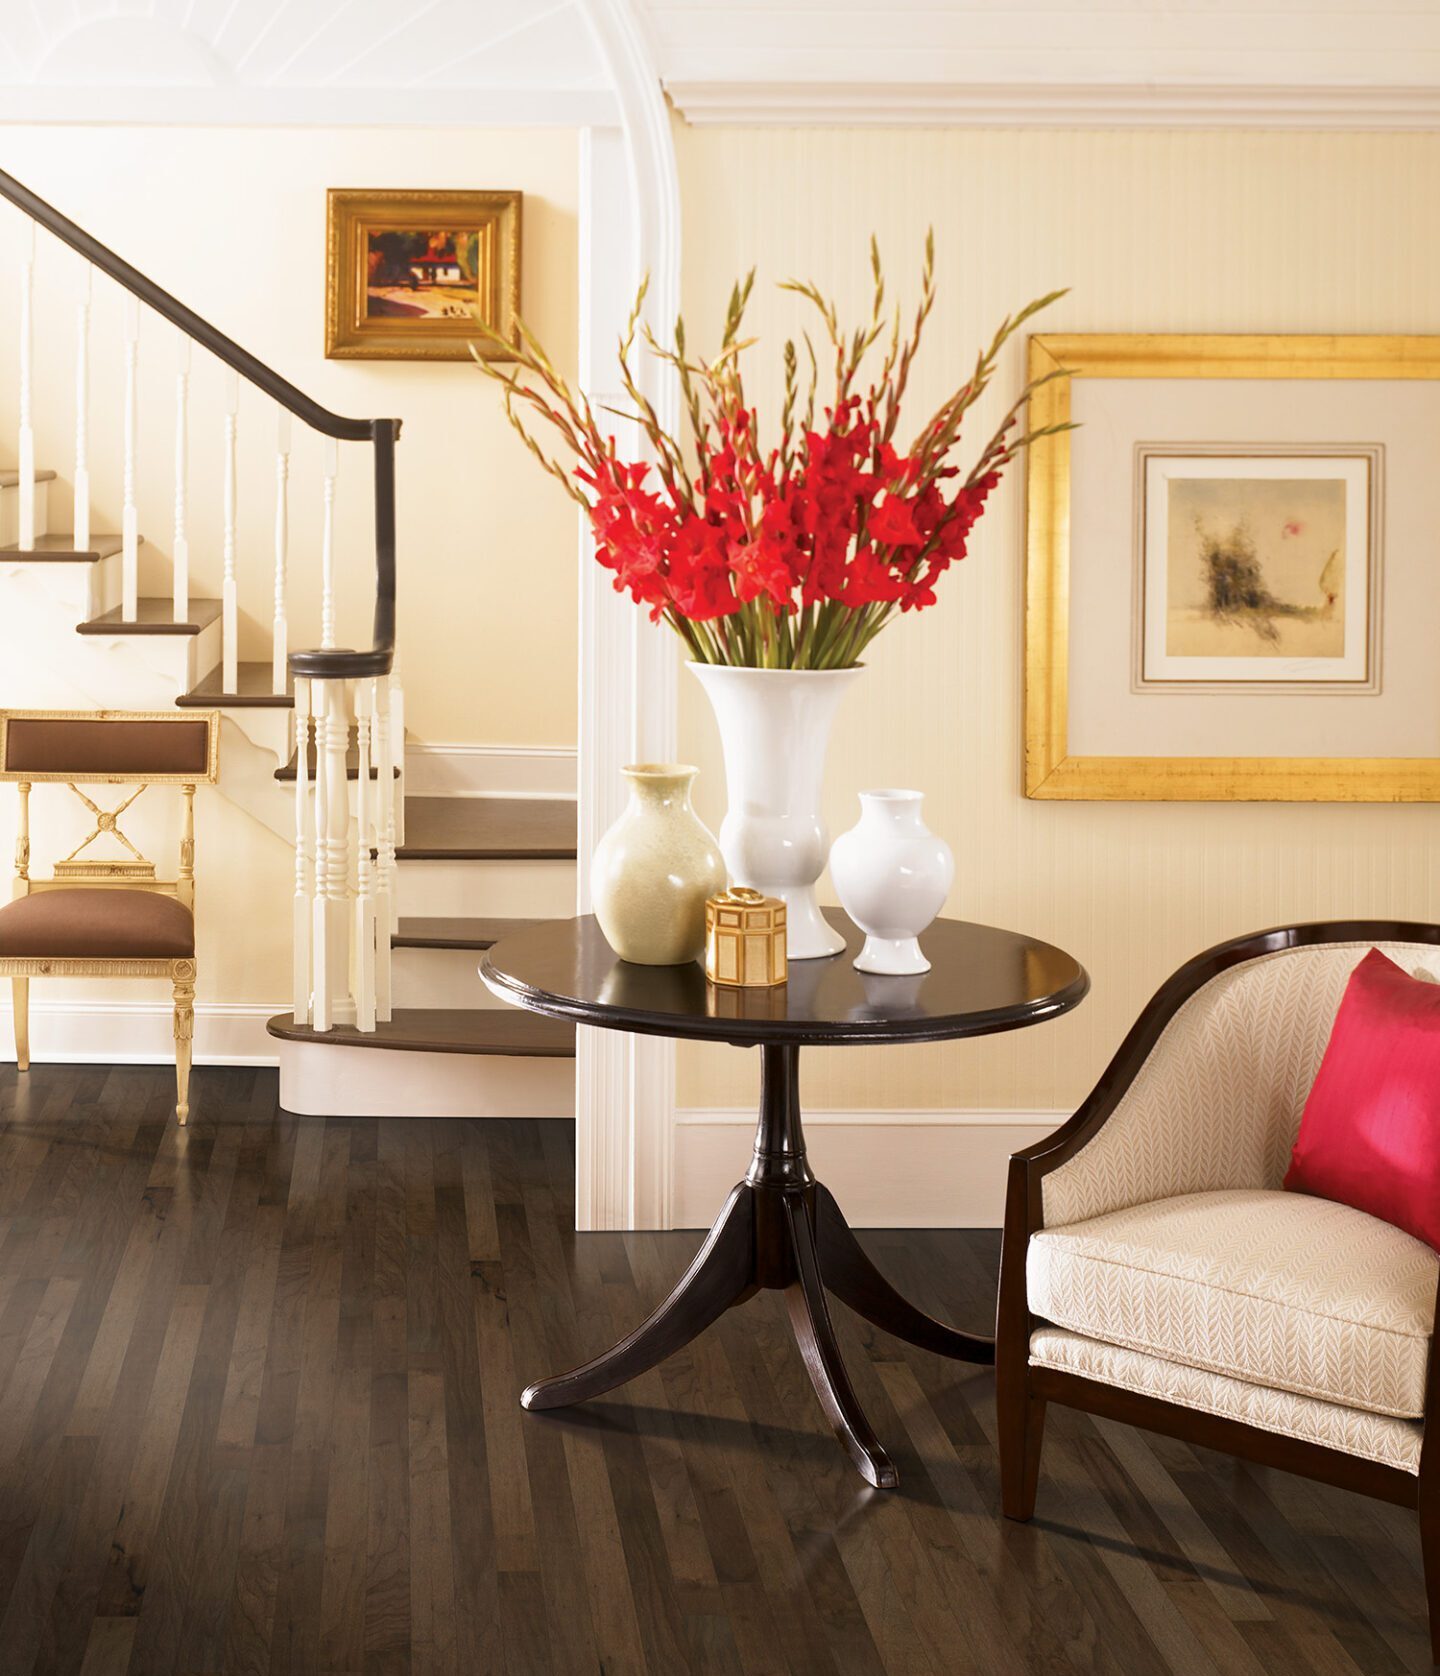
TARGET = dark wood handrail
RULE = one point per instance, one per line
(381, 433)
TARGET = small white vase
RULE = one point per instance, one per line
(775, 726)
(892, 875)
(653, 870)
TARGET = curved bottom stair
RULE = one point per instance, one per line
(471, 870)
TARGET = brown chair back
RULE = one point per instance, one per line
(109, 746)
(90, 747)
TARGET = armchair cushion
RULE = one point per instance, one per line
(1277, 1289)
(83, 924)
(1370, 1134)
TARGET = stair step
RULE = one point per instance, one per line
(155, 616)
(489, 829)
(452, 933)
(60, 548)
(10, 478)
(254, 690)
(507, 1031)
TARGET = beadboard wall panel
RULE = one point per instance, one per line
(1153, 231)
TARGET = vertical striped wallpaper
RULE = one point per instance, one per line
(1152, 231)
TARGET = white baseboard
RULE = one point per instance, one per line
(932, 1169)
(140, 1032)
(489, 770)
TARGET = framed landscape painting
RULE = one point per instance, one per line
(409, 275)
(1230, 569)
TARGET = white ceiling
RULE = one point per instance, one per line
(373, 61)
(1373, 63)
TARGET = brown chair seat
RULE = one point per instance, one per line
(85, 924)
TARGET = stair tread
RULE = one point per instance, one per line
(454, 933)
(254, 690)
(10, 477)
(489, 829)
(155, 616)
(486, 1030)
(59, 548)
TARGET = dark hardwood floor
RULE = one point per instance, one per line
(258, 1385)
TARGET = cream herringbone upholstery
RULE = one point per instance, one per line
(1278, 1289)
(1217, 1104)
(1373, 1437)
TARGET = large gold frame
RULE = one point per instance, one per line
(137, 874)
(1050, 770)
(351, 336)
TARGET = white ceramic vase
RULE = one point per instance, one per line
(775, 726)
(653, 870)
(892, 875)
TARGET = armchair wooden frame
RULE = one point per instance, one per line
(1022, 1391)
(25, 767)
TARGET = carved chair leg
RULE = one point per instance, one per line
(20, 989)
(184, 981)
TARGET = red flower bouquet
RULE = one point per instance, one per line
(793, 555)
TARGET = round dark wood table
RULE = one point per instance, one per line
(780, 1227)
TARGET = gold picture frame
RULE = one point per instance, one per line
(408, 273)
(1051, 771)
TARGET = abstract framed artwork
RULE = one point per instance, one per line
(1230, 563)
(409, 275)
(1257, 567)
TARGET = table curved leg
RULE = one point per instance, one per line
(854, 1279)
(720, 1275)
(815, 1334)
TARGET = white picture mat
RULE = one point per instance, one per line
(1163, 469)
(1107, 718)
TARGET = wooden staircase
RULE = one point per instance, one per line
(449, 1048)
(458, 869)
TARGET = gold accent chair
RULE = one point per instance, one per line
(99, 918)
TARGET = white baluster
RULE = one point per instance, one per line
(26, 530)
(304, 911)
(130, 518)
(397, 732)
(365, 927)
(229, 602)
(181, 558)
(321, 1007)
(332, 870)
(386, 922)
(327, 546)
(280, 631)
(82, 415)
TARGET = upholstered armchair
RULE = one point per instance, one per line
(1154, 1271)
(106, 917)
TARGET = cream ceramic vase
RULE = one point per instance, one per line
(775, 726)
(892, 875)
(653, 870)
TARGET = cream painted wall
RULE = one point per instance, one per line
(1154, 231)
(232, 222)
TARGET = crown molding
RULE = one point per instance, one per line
(1054, 105)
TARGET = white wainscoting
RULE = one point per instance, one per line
(888, 1169)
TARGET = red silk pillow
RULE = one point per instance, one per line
(1370, 1135)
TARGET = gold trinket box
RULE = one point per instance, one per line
(745, 939)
